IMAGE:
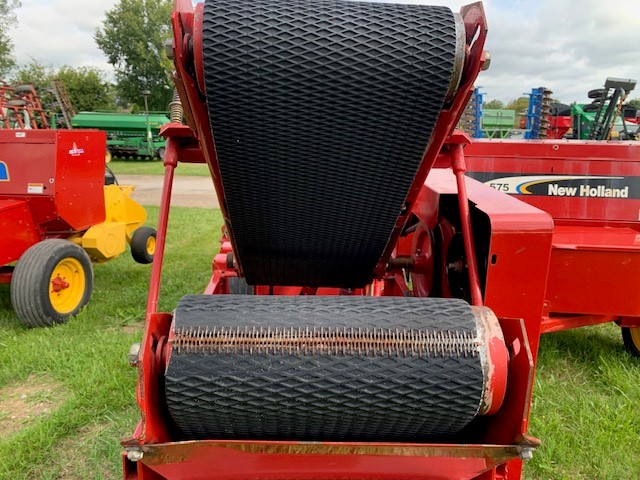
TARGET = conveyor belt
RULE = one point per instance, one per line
(325, 368)
(321, 111)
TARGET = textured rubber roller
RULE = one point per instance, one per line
(330, 368)
(321, 111)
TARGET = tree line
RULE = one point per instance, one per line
(522, 104)
(132, 37)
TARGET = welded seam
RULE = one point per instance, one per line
(368, 342)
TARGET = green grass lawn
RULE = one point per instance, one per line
(155, 167)
(67, 394)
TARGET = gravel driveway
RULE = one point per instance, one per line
(187, 191)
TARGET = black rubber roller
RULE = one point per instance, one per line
(331, 368)
(321, 112)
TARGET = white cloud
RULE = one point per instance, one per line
(567, 45)
(60, 32)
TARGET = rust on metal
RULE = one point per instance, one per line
(177, 452)
(326, 341)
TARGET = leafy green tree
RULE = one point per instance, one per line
(635, 103)
(132, 36)
(7, 20)
(86, 86)
(519, 104)
(493, 105)
(35, 73)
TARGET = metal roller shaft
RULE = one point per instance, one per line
(331, 368)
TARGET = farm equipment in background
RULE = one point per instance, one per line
(480, 122)
(369, 316)
(606, 117)
(57, 217)
(609, 101)
(498, 123)
(471, 120)
(127, 134)
(592, 191)
(64, 102)
(538, 113)
(21, 108)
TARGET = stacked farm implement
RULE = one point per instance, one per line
(373, 312)
(21, 107)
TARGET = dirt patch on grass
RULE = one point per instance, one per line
(133, 328)
(24, 402)
(75, 456)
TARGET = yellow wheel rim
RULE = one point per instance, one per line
(635, 336)
(151, 245)
(66, 286)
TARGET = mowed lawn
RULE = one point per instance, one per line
(155, 167)
(67, 394)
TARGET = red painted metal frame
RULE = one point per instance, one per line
(459, 169)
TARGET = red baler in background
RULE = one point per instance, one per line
(592, 191)
(57, 216)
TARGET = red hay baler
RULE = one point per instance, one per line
(592, 191)
(373, 313)
(56, 217)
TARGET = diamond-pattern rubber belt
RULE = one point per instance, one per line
(321, 111)
(324, 368)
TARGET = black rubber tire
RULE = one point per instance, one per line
(23, 89)
(109, 177)
(17, 103)
(140, 243)
(597, 93)
(31, 279)
(592, 107)
(239, 286)
(632, 345)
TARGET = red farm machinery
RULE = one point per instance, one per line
(592, 191)
(57, 216)
(373, 313)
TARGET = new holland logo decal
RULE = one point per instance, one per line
(4, 172)
(589, 186)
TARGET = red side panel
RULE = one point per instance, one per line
(18, 230)
(60, 173)
(595, 270)
(80, 177)
(574, 181)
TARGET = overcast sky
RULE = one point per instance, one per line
(570, 46)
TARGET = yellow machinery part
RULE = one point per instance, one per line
(123, 216)
(120, 207)
(105, 241)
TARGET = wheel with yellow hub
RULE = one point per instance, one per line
(143, 244)
(51, 282)
(631, 339)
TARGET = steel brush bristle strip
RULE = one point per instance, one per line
(368, 342)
